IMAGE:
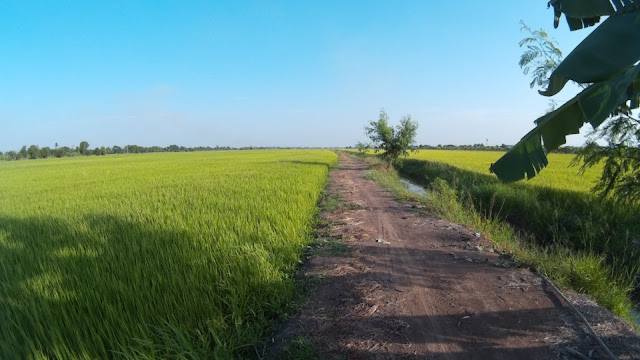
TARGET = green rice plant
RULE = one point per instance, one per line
(174, 255)
(300, 349)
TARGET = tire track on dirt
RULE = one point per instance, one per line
(421, 307)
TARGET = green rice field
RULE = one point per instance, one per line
(558, 174)
(153, 256)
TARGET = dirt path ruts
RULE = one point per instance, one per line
(417, 287)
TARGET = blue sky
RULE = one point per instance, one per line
(266, 73)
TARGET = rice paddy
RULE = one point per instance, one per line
(558, 174)
(173, 255)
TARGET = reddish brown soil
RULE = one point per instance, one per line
(430, 289)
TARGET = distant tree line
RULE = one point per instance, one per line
(477, 147)
(503, 147)
(474, 147)
(35, 152)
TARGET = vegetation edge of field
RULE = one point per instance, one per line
(282, 346)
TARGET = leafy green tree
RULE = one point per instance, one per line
(103, 151)
(45, 152)
(605, 63)
(32, 152)
(391, 142)
(11, 155)
(83, 148)
(23, 153)
(540, 58)
(65, 151)
(541, 55)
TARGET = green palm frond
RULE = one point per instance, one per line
(607, 59)
(608, 51)
(593, 105)
(584, 13)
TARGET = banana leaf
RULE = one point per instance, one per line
(594, 105)
(608, 51)
(584, 13)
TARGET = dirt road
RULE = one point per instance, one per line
(412, 286)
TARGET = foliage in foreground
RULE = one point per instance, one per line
(156, 256)
(621, 158)
(606, 64)
(541, 55)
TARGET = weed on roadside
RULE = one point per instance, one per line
(300, 349)
(333, 202)
(329, 247)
